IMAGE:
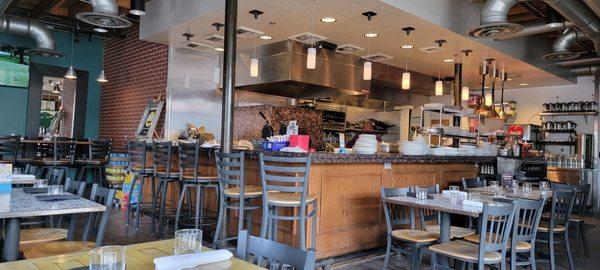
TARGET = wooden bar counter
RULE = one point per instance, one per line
(350, 216)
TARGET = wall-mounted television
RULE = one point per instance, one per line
(14, 69)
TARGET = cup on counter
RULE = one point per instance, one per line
(188, 241)
(108, 257)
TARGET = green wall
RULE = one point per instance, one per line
(87, 56)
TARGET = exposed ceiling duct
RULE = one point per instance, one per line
(585, 71)
(105, 13)
(595, 60)
(560, 48)
(46, 46)
(535, 29)
(581, 15)
(493, 21)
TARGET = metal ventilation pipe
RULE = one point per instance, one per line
(560, 48)
(585, 71)
(581, 15)
(493, 21)
(105, 13)
(580, 62)
(535, 29)
(44, 39)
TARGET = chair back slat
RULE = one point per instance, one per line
(527, 218)
(273, 255)
(581, 196)
(285, 174)
(162, 155)
(100, 149)
(138, 156)
(428, 214)
(562, 205)
(189, 160)
(56, 177)
(495, 226)
(473, 183)
(395, 214)
(230, 170)
(74, 187)
(9, 146)
(96, 221)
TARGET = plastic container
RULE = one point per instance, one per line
(299, 141)
(274, 146)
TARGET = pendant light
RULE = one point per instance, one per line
(368, 65)
(503, 77)
(439, 84)
(311, 56)
(483, 71)
(254, 60)
(137, 7)
(494, 75)
(406, 74)
(102, 77)
(71, 74)
(465, 91)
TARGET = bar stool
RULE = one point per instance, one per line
(285, 186)
(98, 152)
(63, 153)
(162, 155)
(138, 166)
(234, 194)
(191, 177)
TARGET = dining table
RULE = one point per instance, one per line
(138, 257)
(16, 204)
(518, 193)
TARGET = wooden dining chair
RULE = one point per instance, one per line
(273, 255)
(429, 216)
(95, 223)
(410, 241)
(495, 227)
(577, 218)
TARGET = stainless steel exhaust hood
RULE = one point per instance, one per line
(283, 72)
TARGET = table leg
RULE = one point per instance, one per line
(10, 249)
(445, 227)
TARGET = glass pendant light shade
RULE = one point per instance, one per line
(465, 93)
(367, 69)
(311, 58)
(488, 99)
(439, 87)
(102, 77)
(71, 73)
(406, 80)
(254, 67)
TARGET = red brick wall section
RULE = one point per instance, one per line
(137, 73)
(67, 100)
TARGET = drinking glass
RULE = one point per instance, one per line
(108, 258)
(474, 196)
(55, 189)
(544, 186)
(494, 185)
(188, 241)
(515, 186)
(40, 183)
(527, 188)
(17, 170)
(454, 190)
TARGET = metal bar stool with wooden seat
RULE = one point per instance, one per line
(63, 153)
(95, 223)
(285, 186)
(142, 171)
(411, 240)
(429, 215)
(234, 194)
(98, 152)
(495, 227)
(560, 213)
(9, 146)
(193, 175)
(165, 169)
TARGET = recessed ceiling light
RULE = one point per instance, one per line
(449, 60)
(328, 19)
(371, 35)
(523, 84)
(407, 46)
(100, 30)
(265, 37)
(554, 24)
(219, 49)
(509, 79)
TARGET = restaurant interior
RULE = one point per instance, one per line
(299, 134)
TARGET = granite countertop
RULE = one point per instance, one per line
(331, 158)
(17, 203)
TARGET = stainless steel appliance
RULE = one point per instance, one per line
(585, 149)
(531, 133)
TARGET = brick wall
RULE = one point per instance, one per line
(136, 72)
(68, 96)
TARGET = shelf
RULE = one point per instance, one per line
(567, 113)
(560, 131)
(361, 131)
(450, 135)
(559, 142)
(449, 112)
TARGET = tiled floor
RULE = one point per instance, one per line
(371, 260)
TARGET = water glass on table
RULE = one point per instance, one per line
(40, 183)
(454, 190)
(544, 187)
(421, 193)
(527, 188)
(55, 190)
(515, 186)
(108, 258)
(188, 241)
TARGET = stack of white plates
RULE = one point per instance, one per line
(366, 144)
(416, 147)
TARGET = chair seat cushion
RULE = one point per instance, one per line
(521, 245)
(455, 232)
(464, 250)
(544, 227)
(38, 235)
(38, 250)
(288, 198)
(415, 236)
(249, 191)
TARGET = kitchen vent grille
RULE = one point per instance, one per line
(245, 32)
(432, 49)
(378, 57)
(215, 39)
(348, 49)
(307, 38)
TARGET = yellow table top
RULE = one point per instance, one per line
(139, 257)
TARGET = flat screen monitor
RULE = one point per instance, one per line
(14, 70)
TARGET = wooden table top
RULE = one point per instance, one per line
(139, 257)
(17, 203)
(535, 194)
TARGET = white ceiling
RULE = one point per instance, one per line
(282, 19)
